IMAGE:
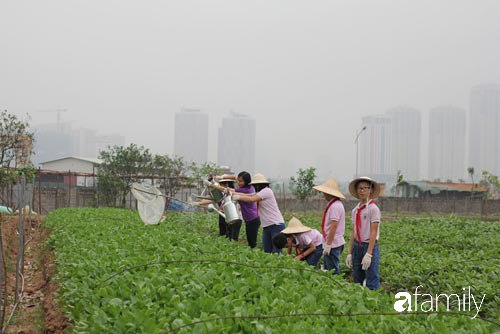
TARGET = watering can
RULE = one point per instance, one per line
(216, 194)
(211, 193)
(229, 211)
(228, 208)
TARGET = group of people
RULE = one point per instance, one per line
(259, 207)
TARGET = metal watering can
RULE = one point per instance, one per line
(229, 213)
(211, 193)
(216, 194)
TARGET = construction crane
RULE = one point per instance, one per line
(58, 111)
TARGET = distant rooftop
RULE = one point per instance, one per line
(437, 187)
(92, 160)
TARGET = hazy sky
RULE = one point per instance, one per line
(305, 70)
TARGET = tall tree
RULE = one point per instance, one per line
(202, 171)
(15, 139)
(302, 185)
(172, 171)
(492, 182)
(121, 166)
(15, 146)
(470, 170)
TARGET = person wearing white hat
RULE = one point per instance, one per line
(363, 256)
(303, 237)
(332, 225)
(270, 216)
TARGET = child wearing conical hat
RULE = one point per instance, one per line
(303, 237)
(332, 225)
(363, 253)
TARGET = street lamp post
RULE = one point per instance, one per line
(358, 133)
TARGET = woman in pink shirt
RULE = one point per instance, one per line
(333, 224)
(303, 237)
(270, 216)
(363, 255)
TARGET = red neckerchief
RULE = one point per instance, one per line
(358, 219)
(324, 216)
(298, 251)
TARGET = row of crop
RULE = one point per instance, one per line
(443, 254)
(93, 245)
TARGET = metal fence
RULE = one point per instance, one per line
(54, 189)
(464, 206)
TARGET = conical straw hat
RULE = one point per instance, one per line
(259, 178)
(354, 183)
(295, 226)
(330, 187)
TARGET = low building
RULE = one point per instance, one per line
(60, 170)
(426, 189)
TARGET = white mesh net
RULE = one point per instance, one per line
(150, 203)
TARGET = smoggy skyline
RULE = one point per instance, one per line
(306, 72)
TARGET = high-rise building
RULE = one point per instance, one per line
(374, 148)
(53, 141)
(405, 142)
(61, 140)
(484, 129)
(88, 143)
(191, 135)
(236, 143)
(102, 142)
(447, 144)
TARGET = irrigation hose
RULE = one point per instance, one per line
(146, 265)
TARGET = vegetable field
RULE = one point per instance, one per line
(118, 276)
(443, 254)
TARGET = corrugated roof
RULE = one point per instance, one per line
(92, 160)
(437, 187)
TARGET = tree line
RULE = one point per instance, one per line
(123, 165)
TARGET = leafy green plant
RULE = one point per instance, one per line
(117, 275)
(444, 254)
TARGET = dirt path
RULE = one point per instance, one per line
(38, 311)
